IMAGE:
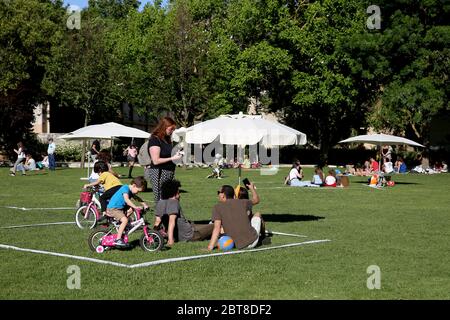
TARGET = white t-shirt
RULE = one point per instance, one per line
(316, 179)
(293, 174)
(21, 154)
(31, 164)
(51, 148)
(388, 167)
(330, 180)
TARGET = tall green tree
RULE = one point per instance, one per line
(78, 73)
(416, 38)
(327, 101)
(28, 31)
(138, 60)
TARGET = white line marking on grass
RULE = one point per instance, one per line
(64, 255)
(153, 263)
(286, 234)
(28, 209)
(38, 225)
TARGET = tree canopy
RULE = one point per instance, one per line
(319, 64)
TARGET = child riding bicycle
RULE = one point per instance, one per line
(121, 200)
(109, 181)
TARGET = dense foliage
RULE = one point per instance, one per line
(318, 64)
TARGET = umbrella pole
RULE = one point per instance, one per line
(112, 145)
(239, 173)
(83, 154)
(89, 162)
(379, 161)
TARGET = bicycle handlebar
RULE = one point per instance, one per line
(94, 188)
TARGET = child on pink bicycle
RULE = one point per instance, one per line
(121, 200)
(109, 181)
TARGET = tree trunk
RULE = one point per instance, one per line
(83, 150)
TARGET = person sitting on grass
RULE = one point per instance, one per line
(30, 164)
(330, 180)
(400, 166)
(387, 166)
(231, 215)
(121, 200)
(44, 162)
(374, 166)
(295, 175)
(109, 181)
(168, 213)
(317, 177)
(444, 167)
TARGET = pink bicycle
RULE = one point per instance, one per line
(103, 239)
(88, 214)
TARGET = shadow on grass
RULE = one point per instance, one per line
(287, 217)
(280, 217)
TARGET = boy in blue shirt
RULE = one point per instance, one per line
(121, 200)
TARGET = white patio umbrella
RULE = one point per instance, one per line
(242, 130)
(179, 134)
(381, 139)
(109, 131)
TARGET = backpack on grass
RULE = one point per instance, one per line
(144, 158)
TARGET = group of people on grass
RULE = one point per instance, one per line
(232, 215)
(295, 177)
(25, 161)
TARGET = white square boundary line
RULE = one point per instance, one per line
(31, 209)
(157, 262)
(38, 225)
(63, 255)
(153, 263)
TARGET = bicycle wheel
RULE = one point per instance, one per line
(95, 238)
(155, 241)
(85, 221)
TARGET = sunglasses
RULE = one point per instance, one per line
(219, 192)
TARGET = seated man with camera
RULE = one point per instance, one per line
(231, 215)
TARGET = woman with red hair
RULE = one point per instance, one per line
(160, 146)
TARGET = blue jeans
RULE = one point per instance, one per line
(51, 161)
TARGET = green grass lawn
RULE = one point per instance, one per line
(403, 230)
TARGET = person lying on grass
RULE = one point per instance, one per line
(121, 200)
(168, 213)
(232, 215)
